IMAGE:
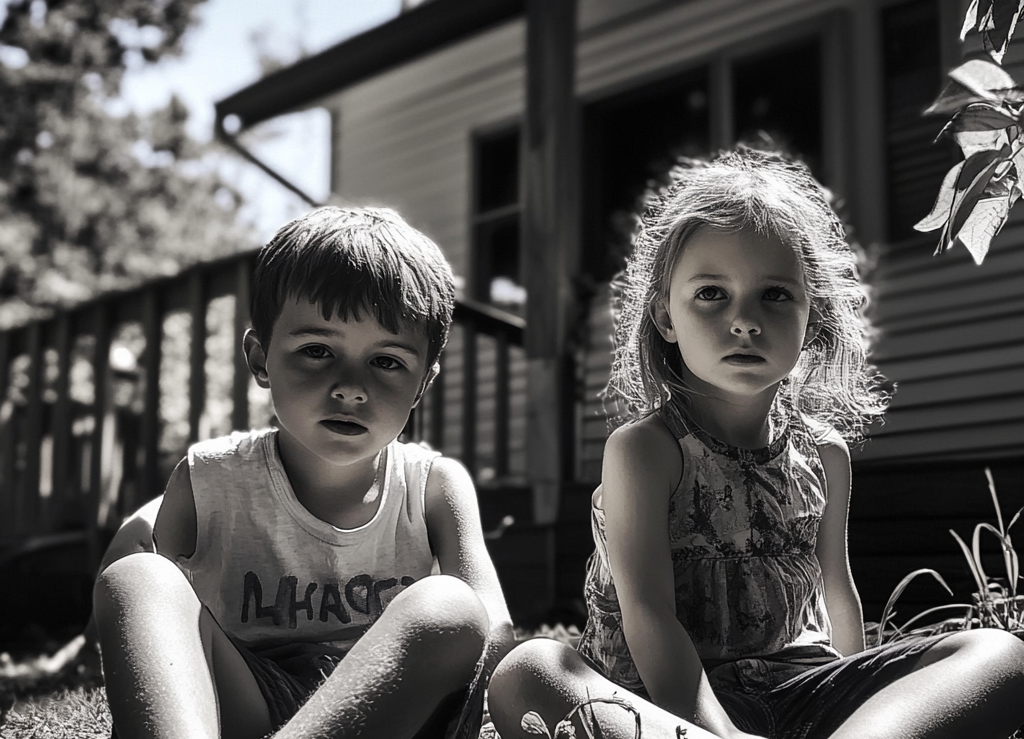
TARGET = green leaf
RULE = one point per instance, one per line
(970, 187)
(983, 77)
(986, 219)
(532, 723)
(889, 611)
(943, 202)
(980, 117)
(979, 583)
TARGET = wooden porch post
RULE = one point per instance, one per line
(550, 245)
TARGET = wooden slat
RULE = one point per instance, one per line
(62, 417)
(995, 383)
(241, 377)
(101, 331)
(955, 365)
(437, 406)
(952, 415)
(8, 439)
(994, 331)
(469, 397)
(991, 440)
(150, 484)
(28, 512)
(502, 392)
(197, 306)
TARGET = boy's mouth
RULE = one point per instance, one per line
(344, 428)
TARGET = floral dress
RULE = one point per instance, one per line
(742, 530)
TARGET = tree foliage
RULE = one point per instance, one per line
(976, 195)
(93, 198)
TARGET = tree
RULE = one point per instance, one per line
(92, 199)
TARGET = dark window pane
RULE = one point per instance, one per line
(498, 279)
(631, 141)
(779, 94)
(912, 64)
(498, 171)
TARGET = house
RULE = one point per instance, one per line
(519, 135)
(439, 112)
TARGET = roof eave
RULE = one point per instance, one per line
(414, 33)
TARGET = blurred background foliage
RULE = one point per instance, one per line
(94, 197)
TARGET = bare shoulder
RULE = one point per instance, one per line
(647, 444)
(448, 479)
(174, 532)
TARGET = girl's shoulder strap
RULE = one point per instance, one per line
(819, 432)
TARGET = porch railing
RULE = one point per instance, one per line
(99, 402)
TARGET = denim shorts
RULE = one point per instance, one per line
(287, 675)
(795, 701)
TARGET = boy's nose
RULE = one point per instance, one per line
(350, 389)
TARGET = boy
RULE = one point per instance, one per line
(287, 555)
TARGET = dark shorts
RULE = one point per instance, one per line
(287, 675)
(785, 700)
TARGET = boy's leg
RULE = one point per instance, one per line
(551, 679)
(424, 647)
(970, 684)
(170, 671)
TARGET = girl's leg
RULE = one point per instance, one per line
(551, 678)
(161, 650)
(970, 684)
(424, 647)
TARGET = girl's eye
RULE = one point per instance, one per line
(388, 363)
(710, 293)
(777, 294)
(316, 351)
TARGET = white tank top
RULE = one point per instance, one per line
(272, 573)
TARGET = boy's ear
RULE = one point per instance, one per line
(256, 358)
(432, 374)
(663, 322)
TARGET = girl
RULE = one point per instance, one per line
(720, 597)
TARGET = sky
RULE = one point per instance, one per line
(221, 56)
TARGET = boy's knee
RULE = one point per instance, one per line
(136, 576)
(446, 617)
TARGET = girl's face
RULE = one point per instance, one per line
(738, 311)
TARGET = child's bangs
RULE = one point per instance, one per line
(364, 280)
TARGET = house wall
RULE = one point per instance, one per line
(951, 334)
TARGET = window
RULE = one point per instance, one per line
(497, 273)
(778, 94)
(912, 64)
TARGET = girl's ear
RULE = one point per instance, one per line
(256, 358)
(663, 322)
(432, 374)
(813, 326)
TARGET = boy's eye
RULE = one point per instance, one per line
(777, 294)
(388, 363)
(710, 293)
(315, 351)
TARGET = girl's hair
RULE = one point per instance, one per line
(769, 195)
(355, 262)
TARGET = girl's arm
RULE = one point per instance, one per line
(457, 539)
(642, 466)
(841, 599)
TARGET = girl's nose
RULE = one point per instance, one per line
(741, 327)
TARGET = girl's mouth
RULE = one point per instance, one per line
(743, 359)
(344, 428)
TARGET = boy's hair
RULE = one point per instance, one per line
(354, 262)
(772, 196)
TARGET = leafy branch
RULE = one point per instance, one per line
(976, 195)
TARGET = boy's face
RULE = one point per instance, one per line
(342, 390)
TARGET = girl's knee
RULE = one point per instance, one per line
(998, 652)
(533, 663)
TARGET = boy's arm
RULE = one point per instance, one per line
(174, 532)
(642, 466)
(457, 540)
(134, 535)
(841, 599)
